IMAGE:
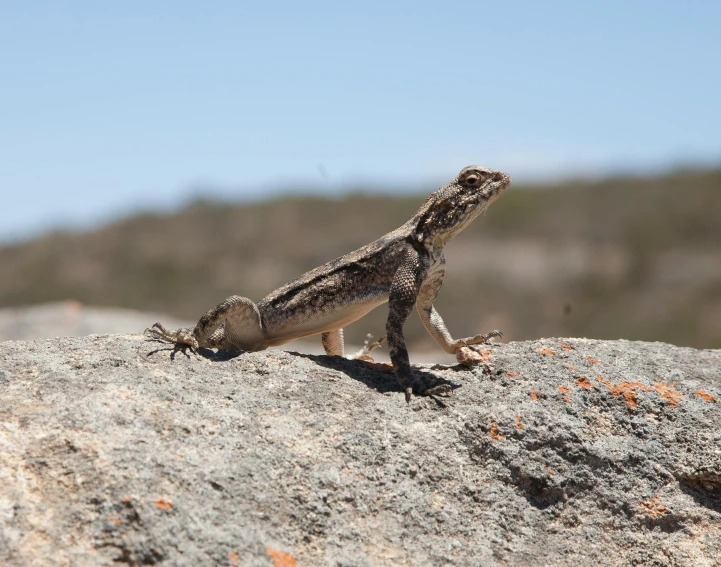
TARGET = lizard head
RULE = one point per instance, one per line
(447, 211)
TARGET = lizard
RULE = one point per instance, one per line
(406, 267)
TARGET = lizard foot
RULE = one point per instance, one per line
(368, 346)
(182, 338)
(470, 349)
(432, 388)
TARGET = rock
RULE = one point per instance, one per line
(568, 452)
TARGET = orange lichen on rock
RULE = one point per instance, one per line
(653, 507)
(641, 386)
(534, 395)
(495, 434)
(519, 425)
(705, 396)
(565, 391)
(608, 383)
(566, 347)
(628, 390)
(163, 504)
(547, 352)
(570, 367)
(625, 389)
(513, 374)
(668, 392)
(631, 398)
(280, 558)
(233, 558)
(592, 360)
(582, 382)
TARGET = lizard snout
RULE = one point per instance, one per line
(503, 178)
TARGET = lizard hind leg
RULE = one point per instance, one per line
(333, 342)
(233, 324)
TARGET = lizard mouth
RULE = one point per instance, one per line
(503, 179)
(499, 183)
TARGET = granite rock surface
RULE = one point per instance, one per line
(564, 452)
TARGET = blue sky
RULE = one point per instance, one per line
(107, 107)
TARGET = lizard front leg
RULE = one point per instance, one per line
(406, 285)
(464, 349)
(333, 345)
(235, 324)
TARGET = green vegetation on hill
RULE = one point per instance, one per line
(627, 257)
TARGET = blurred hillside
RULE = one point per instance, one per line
(627, 257)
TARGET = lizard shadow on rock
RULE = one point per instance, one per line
(379, 377)
(706, 494)
(221, 355)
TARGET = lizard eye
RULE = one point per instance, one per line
(473, 179)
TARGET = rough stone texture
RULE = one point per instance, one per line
(561, 452)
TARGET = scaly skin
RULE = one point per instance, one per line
(405, 267)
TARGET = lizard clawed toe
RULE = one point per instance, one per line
(368, 346)
(440, 389)
(182, 338)
(434, 388)
(472, 342)
(409, 394)
(493, 334)
(471, 350)
(158, 333)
